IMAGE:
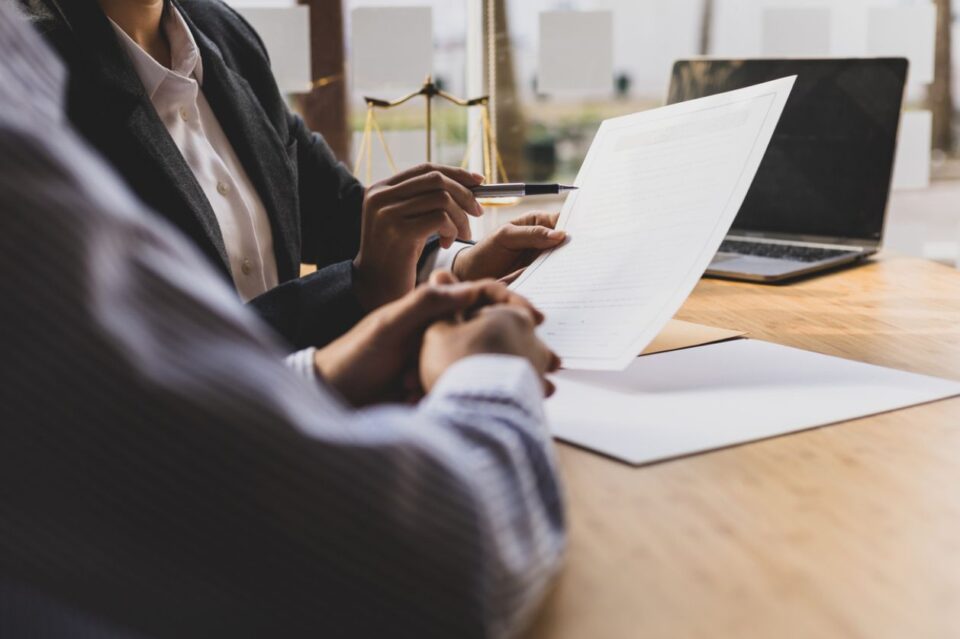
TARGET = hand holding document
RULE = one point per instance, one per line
(658, 191)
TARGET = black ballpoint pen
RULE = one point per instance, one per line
(519, 189)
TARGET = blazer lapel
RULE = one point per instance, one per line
(144, 125)
(123, 97)
(259, 148)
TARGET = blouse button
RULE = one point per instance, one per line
(222, 188)
(245, 266)
(184, 114)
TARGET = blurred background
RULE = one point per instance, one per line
(556, 68)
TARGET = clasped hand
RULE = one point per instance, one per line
(403, 348)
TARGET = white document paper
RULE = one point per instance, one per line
(285, 32)
(391, 48)
(796, 31)
(688, 401)
(658, 192)
(576, 52)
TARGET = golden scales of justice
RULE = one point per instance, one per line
(492, 162)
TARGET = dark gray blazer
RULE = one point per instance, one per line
(313, 202)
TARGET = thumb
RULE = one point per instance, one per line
(520, 238)
(443, 277)
(512, 277)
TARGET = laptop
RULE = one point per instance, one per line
(819, 198)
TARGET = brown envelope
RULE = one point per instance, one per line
(678, 334)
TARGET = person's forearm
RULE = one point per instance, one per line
(190, 462)
(493, 405)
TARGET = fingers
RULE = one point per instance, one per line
(478, 295)
(512, 277)
(520, 238)
(511, 312)
(435, 222)
(436, 181)
(552, 366)
(555, 363)
(422, 210)
(548, 388)
(427, 304)
(493, 293)
(421, 191)
(443, 276)
(514, 318)
(542, 358)
(538, 218)
(545, 362)
(473, 296)
(462, 176)
(444, 297)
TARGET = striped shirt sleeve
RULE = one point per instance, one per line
(163, 473)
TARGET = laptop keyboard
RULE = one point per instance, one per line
(781, 251)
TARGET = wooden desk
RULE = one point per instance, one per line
(845, 531)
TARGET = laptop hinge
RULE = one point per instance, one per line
(852, 248)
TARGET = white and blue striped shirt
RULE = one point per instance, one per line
(163, 474)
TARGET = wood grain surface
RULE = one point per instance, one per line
(851, 530)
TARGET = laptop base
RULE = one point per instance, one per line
(764, 270)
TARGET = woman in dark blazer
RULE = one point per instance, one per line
(367, 243)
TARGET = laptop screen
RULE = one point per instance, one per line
(827, 170)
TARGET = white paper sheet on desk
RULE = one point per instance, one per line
(658, 191)
(688, 401)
